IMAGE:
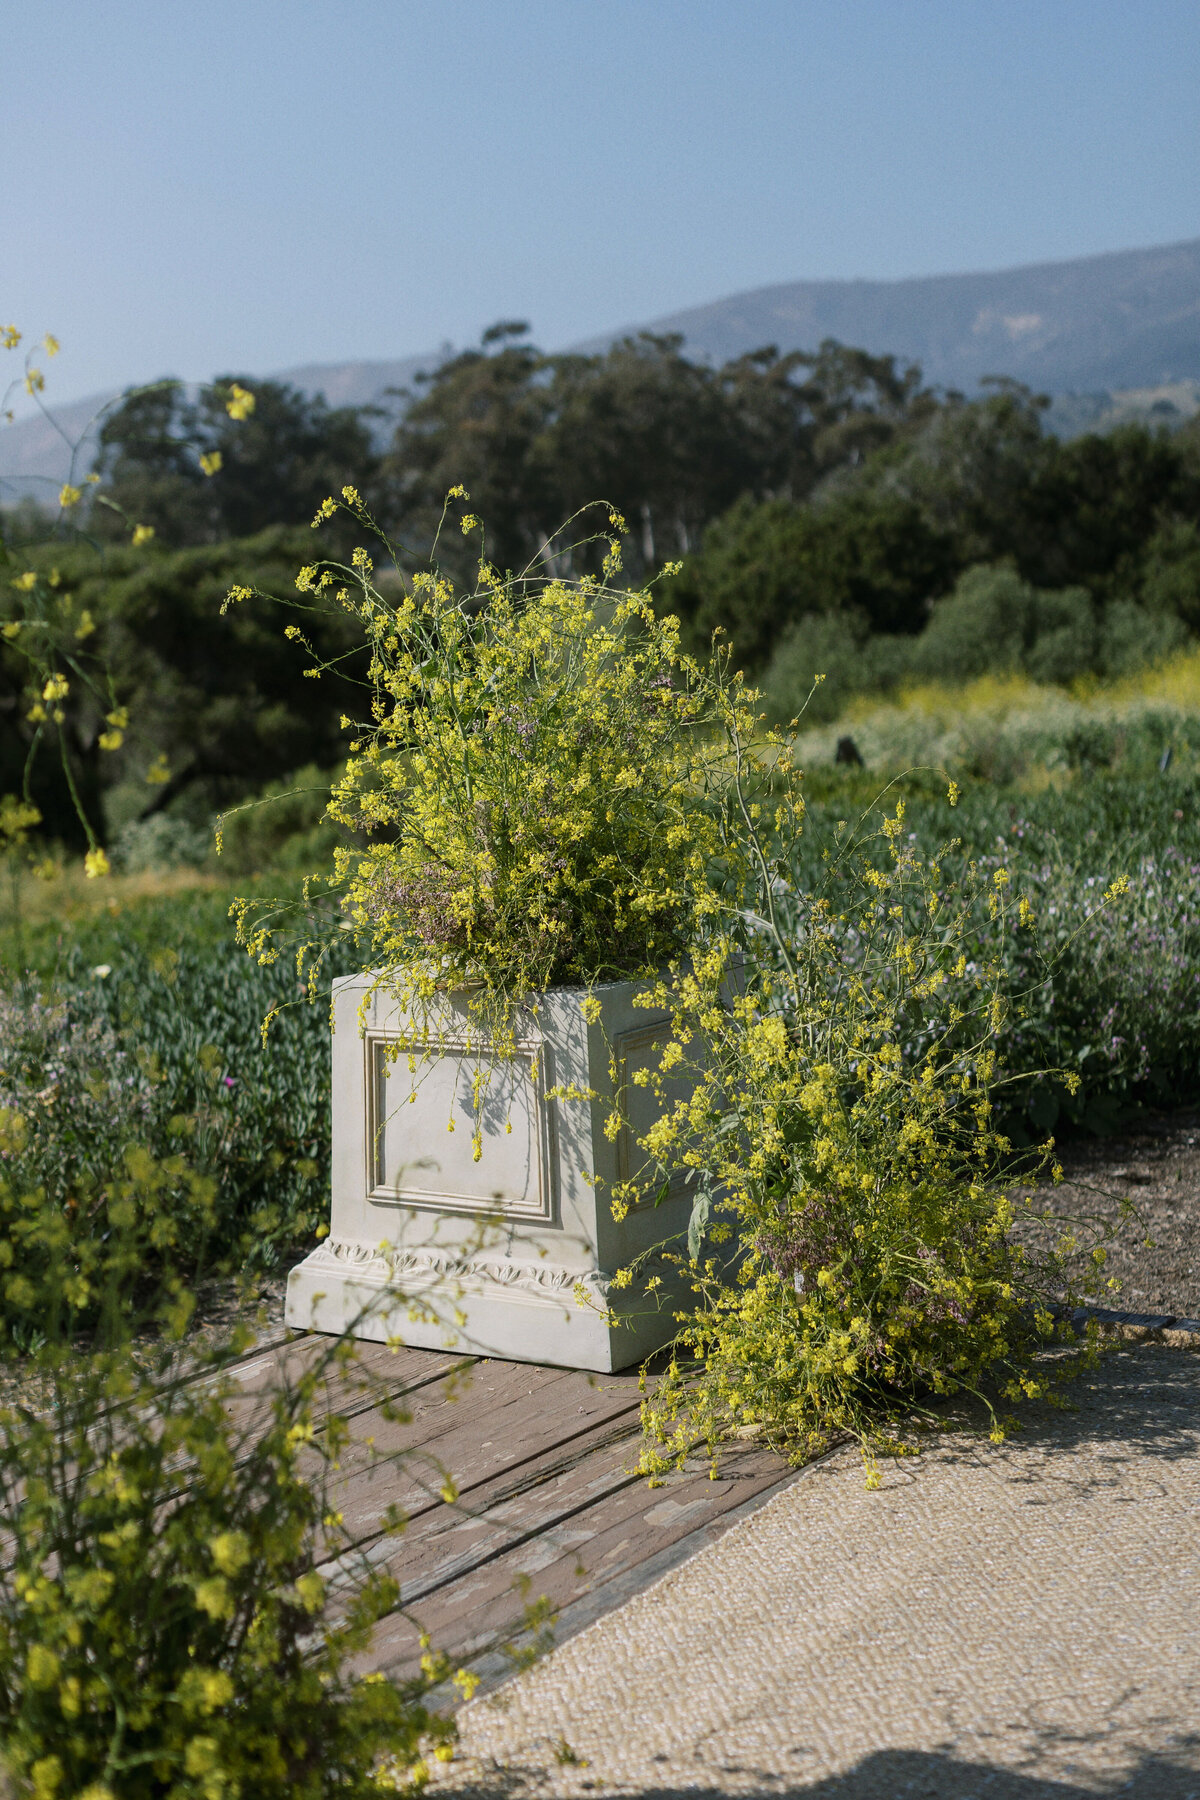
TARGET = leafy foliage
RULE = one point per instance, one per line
(537, 780)
(203, 470)
(873, 566)
(1097, 536)
(159, 1044)
(210, 709)
(166, 1628)
(669, 442)
(1102, 996)
(840, 1133)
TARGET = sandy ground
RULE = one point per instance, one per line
(996, 1622)
(1154, 1257)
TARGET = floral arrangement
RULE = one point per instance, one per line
(850, 1257)
(538, 788)
(550, 791)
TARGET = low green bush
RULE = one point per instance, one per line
(995, 623)
(178, 1602)
(162, 841)
(850, 661)
(1108, 995)
(283, 828)
(843, 1138)
(1134, 637)
(148, 1028)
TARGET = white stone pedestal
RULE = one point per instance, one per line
(511, 1255)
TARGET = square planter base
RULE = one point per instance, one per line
(470, 1192)
(475, 1306)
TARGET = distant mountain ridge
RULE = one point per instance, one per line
(1091, 329)
(1128, 319)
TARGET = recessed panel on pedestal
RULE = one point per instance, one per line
(429, 1106)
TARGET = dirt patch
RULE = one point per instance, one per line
(1155, 1257)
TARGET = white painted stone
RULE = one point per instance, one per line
(512, 1255)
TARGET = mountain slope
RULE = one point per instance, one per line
(1129, 319)
(1097, 326)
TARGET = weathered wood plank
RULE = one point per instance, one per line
(544, 1460)
(442, 1539)
(573, 1536)
(371, 1378)
(502, 1423)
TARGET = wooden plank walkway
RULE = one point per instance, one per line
(549, 1504)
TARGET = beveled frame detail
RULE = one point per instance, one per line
(541, 1206)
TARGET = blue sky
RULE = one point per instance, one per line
(194, 188)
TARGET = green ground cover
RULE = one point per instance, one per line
(148, 996)
(145, 1024)
(149, 1138)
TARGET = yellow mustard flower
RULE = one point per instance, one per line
(240, 403)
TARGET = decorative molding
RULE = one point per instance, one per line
(369, 1263)
(380, 1055)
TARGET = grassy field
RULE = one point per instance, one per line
(130, 1014)
(1007, 730)
(1067, 791)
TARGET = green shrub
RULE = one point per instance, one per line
(160, 1043)
(1106, 994)
(1134, 637)
(763, 567)
(284, 827)
(995, 623)
(168, 1626)
(1171, 572)
(851, 660)
(841, 1131)
(162, 841)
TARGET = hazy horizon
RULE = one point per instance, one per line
(276, 186)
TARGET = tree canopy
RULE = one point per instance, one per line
(196, 474)
(828, 510)
(671, 443)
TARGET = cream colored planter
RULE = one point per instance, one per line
(511, 1255)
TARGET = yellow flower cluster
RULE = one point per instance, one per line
(240, 403)
(863, 1180)
(539, 771)
(546, 790)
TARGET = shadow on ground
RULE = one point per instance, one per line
(884, 1775)
(1143, 1400)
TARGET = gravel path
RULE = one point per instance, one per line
(1157, 1167)
(1009, 1622)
